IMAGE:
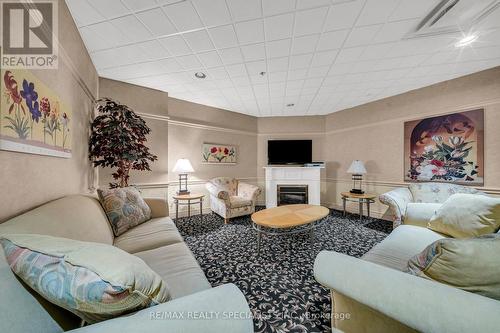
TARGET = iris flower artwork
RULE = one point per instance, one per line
(33, 119)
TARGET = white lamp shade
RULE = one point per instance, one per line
(183, 166)
(357, 168)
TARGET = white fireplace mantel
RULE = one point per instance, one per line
(292, 175)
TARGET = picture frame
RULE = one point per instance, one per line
(214, 153)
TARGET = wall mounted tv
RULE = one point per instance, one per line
(289, 152)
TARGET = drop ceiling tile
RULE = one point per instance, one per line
(302, 4)
(324, 58)
(255, 67)
(157, 22)
(213, 12)
(218, 73)
(93, 41)
(244, 9)
(170, 65)
(112, 38)
(318, 72)
(408, 9)
(84, 13)
(376, 11)
(175, 45)
(278, 48)
(277, 64)
(189, 62)
(151, 50)
(231, 56)
(236, 70)
(254, 52)
(343, 16)
(395, 31)
(277, 77)
(109, 8)
(250, 31)
(310, 21)
(223, 36)
(362, 35)
(273, 7)
(304, 44)
(183, 15)
(138, 4)
(210, 59)
(132, 28)
(300, 61)
(332, 40)
(241, 81)
(377, 51)
(298, 74)
(279, 27)
(199, 41)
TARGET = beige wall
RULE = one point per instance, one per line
(374, 132)
(30, 180)
(152, 105)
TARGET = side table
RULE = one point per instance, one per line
(188, 200)
(366, 198)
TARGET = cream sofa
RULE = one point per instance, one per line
(156, 241)
(419, 201)
(380, 297)
(231, 198)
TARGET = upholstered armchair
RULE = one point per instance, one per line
(419, 201)
(230, 198)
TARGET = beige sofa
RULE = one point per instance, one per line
(156, 241)
(379, 297)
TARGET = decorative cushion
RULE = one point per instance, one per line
(237, 202)
(93, 280)
(229, 185)
(467, 215)
(437, 192)
(469, 264)
(124, 207)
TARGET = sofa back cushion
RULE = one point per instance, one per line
(76, 217)
(227, 184)
(437, 192)
(471, 264)
(124, 207)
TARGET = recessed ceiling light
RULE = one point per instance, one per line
(200, 75)
(290, 105)
(262, 73)
(467, 40)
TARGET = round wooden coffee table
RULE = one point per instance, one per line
(287, 219)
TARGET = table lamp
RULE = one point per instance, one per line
(183, 167)
(357, 169)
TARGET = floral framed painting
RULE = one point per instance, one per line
(33, 119)
(219, 154)
(447, 148)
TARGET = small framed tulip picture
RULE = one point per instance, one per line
(219, 153)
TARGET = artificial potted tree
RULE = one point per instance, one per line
(117, 140)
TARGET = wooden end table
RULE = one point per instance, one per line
(188, 200)
(365, 198)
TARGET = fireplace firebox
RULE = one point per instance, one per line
(292, 194)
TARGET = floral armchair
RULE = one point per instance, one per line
(230, 198)
(433, 194)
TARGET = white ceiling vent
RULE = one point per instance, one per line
(451, 16)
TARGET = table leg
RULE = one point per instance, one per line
(201, 209)
(368, 208)
(189, 208)
(344, 205)
(361, 210)
(259, 237)
(176, 209)
(311, 236)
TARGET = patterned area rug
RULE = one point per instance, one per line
(279, 284)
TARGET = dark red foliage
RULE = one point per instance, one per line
(117, 140)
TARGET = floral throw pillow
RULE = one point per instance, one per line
(124, 207)
(94, 281)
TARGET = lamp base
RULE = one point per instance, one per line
(357, 191)
(185, 192)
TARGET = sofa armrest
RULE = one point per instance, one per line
(419, 214)
(220, 309)
(248, 191)
(421, 304)
(397, 200)
(159, 207)
(216, 192)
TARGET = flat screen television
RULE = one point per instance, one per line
(289, 152)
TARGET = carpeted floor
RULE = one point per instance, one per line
(279, 283)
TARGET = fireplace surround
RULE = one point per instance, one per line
(292, 194)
